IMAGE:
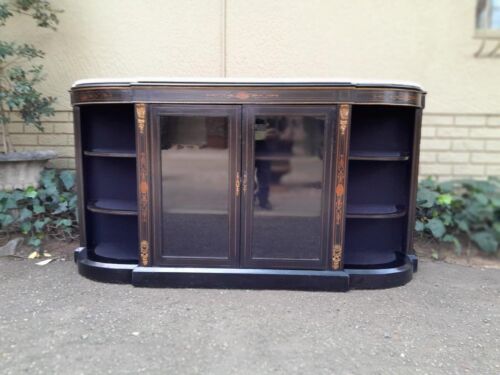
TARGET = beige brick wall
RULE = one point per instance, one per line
(460, 146)
(58, 136)
(453, 145)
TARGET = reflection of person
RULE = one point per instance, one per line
(263, 134)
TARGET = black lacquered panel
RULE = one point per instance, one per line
(195, 186)
(286, 185)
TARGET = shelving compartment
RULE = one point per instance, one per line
(373, 243)
(110, 182)
(108, 130)
(381, 133)
(112, 238)
(378, 190)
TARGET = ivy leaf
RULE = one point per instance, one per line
(39, 224)
(25, 214)
(26, 227)
(30, 192)
(486, 241)
(419, 226)
(68, 179)
(38, 209)
(436, 227)
(5, 220)
(427, 197)
(63, 222)
(35, 242)
(444, 199)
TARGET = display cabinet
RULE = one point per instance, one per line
(247, 184)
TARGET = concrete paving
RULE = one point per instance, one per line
(53, 321)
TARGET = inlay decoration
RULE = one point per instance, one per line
(143, 188)
(339, 196)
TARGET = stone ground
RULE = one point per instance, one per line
(53, 321)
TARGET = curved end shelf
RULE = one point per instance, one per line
(113, 207)
(116, 253)
(374, 211)
(379, 155)
(109, 153)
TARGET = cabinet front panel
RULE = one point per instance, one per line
(196, 158)
(286, 184)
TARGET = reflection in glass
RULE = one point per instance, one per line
(195, 178)
(288, 185)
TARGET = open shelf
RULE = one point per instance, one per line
(113, 207)
(379, 155)
(112, 238)
(374, 211)
(381, 131)
(369, 243)
(115, 252)
(376, 183)
(110, 179)
(110, 153)
(108, 129)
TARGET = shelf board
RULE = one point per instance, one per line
(369, 257)
(379, 155)
(113, 207)
(374, 211)
(110, 153)
(116, 252)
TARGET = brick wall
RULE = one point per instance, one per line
(58, 136)
(456, 146)
(453, 145)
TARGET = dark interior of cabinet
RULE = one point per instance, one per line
(108, 128)
(379, 179)
(110, 182)
(112, 238)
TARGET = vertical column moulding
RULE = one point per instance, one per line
(339, 193)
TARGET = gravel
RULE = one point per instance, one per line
(53, 321)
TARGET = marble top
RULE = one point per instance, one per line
(235, 81)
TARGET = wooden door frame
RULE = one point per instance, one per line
(249, 114)
(233, 113)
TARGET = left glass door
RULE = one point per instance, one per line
(195, 158)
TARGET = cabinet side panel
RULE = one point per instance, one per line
(413, 181)
(79, 175)
(143, 174)
(340, 184)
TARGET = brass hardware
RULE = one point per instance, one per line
(336, 257)
(245, 182)
(344, 115)
(237, 183)
(140, 112)
(144, 252)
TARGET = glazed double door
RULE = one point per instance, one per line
(242, 185)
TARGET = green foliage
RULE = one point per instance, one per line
(470, 208)
(18, 74)
(49, 210)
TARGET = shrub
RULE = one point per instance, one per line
(47, 211)
(449, 210)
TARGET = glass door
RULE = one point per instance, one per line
(286, 186)
(196, 172)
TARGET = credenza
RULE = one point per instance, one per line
(273, 184)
